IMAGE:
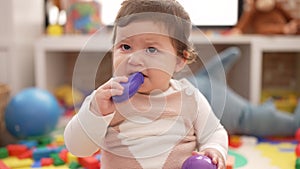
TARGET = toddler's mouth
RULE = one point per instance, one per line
(145, 76)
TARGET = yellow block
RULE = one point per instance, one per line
(59, 140)
(47, 167)
(56, 167)
(55, 30)
(15, 163)
(280, 155)
(71, 158)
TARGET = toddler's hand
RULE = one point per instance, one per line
(215, 156)
(102, 102)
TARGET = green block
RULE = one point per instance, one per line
(54, 155)
(298, 163)
(56, 159)
(74, 165)
(45, 141)
(58, 162)
(3, 153)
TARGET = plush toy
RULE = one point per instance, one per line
(266, 17)
(239, 116)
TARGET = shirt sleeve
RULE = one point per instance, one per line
(209, 131)
(86, 130)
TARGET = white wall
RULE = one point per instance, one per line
(5, 39)
(23, 25)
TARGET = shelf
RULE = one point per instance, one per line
(53, 53)
(74, 43)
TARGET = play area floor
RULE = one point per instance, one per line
(246, 152)
(254, 153)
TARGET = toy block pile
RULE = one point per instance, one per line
(44, 153)
(297, 150)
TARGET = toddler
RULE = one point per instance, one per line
(167, 119)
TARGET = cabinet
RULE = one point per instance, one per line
(275, 44)
(53, 54)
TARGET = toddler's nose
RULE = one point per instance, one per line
(136, 59)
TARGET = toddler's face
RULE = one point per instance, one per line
(145, 47)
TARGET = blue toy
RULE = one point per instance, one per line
(239, 116)
(32, 112)
(198, 162)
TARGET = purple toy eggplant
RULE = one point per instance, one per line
(198, 162)
(133, 84)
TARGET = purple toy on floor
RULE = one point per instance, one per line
(198, 162)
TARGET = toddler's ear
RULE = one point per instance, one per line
(181, 61)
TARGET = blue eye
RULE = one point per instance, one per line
(151, 50)
(125, 47)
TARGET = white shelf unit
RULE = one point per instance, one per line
(245, 78)
(268, 44)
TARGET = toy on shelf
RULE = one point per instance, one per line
(56, 18)
(31, 113)
(83, 17)
(130, 87)
(198, 161)
(266, 17)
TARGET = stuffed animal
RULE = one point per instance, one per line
(266, 17)
(239, 116)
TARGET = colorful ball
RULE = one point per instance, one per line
(197, 162)
(32, 112)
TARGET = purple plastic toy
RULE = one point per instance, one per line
(130, 87)
(198, 162)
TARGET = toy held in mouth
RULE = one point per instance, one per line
(198, 162)
(133, 84)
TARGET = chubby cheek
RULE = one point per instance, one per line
(145, 87)
(118, 65)
(157, 80)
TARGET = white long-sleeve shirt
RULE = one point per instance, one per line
(148, 131)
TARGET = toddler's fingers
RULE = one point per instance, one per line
(197, 153)
(120, 79)
(219, 162)
(216, 158)
(114, 83)
(107, 94)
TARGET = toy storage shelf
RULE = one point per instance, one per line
(52, 54)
